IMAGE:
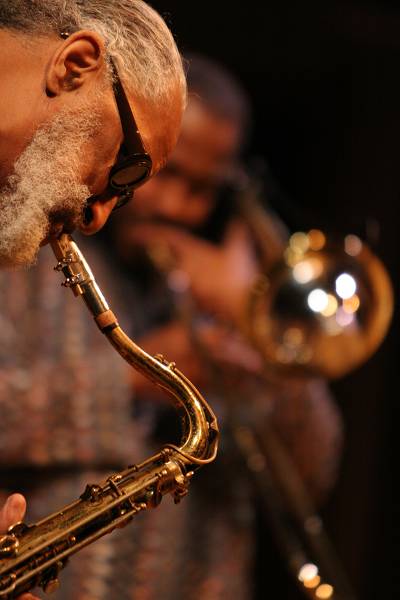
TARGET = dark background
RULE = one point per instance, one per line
(324, 81)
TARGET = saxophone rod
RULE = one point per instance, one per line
(298, 529)
(285, 499)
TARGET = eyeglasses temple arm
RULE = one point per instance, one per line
(132, 139)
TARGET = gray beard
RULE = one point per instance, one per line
(45, 187)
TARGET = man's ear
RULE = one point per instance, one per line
(96, 215)
(80, 57)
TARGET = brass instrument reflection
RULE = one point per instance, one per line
(324, 309)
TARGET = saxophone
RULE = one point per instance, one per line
(34, 555)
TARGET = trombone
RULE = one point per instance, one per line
(321, 307)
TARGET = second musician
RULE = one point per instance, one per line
(197, 245)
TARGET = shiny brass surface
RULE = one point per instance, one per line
(323, 304)
(323, 309)
(34, 555)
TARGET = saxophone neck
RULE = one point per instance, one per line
(78, 274)
(200, 429)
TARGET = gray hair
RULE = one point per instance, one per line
(136, 37)
(219, 91)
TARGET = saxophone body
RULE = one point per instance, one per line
(34, 555)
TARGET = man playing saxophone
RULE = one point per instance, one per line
(82, 122)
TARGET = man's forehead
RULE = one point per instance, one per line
(202, 126)
(206, 144)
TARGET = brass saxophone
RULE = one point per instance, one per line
(34, 555)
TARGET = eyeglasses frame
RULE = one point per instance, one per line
(132, 141)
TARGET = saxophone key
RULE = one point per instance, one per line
(92, 492)
(18, 529)
(73, 281)
(8, 582)
(113, 483)
(51, 582)
(51, 586)
(9, 545)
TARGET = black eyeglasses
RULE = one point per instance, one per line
(133, 165)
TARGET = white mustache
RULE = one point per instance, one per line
(45, 182)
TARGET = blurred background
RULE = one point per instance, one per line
(323, 79)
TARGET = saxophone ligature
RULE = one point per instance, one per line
(34, 555)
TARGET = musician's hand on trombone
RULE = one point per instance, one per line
(220, 275)
(12, 512)
(229, 349)
(222, 345)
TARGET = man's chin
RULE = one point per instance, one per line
(19, 258)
